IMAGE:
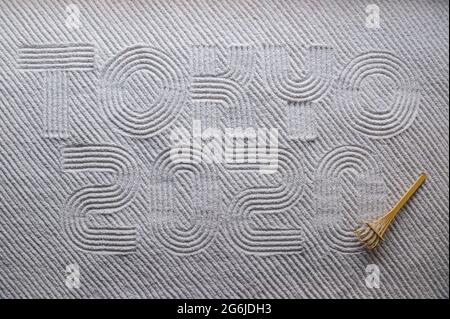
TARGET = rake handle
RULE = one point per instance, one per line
(411, 190)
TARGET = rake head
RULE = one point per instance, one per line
(370, 233)
(367, 234)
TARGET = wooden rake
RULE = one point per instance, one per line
(370, 233)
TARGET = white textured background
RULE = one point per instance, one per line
(321, 259)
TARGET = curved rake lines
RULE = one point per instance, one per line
(225, 88)
(222, 91)
(100, 199)
(240, 64)
(22, 185)
(172, 198)
(378, 123)
(265, 203)
(166, 106)
(312, 87)
(337, 217)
